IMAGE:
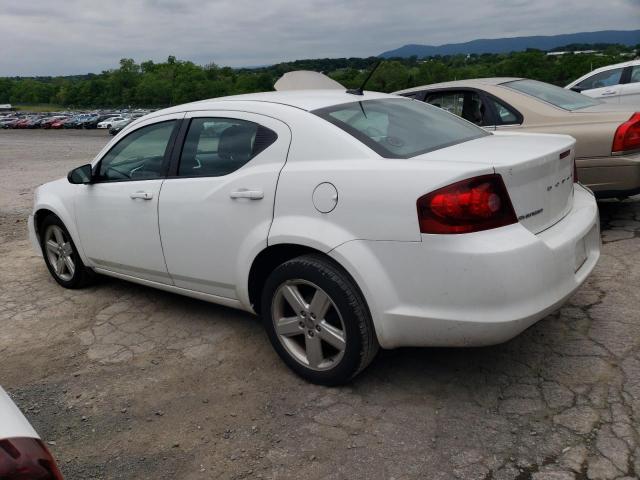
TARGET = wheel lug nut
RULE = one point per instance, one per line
(311, 333)
(318, 327)
(301, 324)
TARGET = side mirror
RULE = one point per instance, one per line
(81, 175)
(577, 89)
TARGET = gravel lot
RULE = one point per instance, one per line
(126, 382)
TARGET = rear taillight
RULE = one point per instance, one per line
(472, 205)
(627, 136)
(26, 459)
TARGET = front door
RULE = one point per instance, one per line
(117, 215)
(216, 207)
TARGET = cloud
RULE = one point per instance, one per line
(41, 37)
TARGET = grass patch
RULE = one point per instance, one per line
(43, 107)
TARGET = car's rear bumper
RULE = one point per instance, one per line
(473, 289)
(615, 176)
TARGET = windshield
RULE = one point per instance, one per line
(560, 97)
(399, 127)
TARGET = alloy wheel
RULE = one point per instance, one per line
(308, 324)
(59, 252)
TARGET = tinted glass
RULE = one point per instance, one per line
(506, 116)
(560, 97)
(465, 104)
(602, 79)
(138, 156)
(219, 146)
(635, 74)
(452, 102)
(400, 128)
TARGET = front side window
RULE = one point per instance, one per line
(635, 74)
(607, 78)
(559, 97)
(398, 127)
(218, 146)
(138, 156)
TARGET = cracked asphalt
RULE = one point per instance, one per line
(127, 382)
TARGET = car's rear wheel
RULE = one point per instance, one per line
(317, 320)
(61, 256)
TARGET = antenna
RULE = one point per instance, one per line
(360, 89)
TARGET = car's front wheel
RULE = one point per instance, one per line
(318, 321)
(61, 255)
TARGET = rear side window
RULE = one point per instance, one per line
(463, 103)
(607, 78)
(560, 97)
(218, 146)
(505, 115)
(398, 127)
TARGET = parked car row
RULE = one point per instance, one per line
(105, 120)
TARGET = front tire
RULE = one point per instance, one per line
(318, 321)
(61, 255)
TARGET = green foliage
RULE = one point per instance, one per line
(150, 84)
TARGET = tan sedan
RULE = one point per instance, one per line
(608, 136)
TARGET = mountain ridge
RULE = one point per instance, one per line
(515, 44)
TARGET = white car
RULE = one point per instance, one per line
(619, 83)
(23, 455)
(346, 221)
(109, 122)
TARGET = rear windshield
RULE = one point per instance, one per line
(560, 97)
(399, 127)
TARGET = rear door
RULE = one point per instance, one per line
(466, 103)
(216, 206)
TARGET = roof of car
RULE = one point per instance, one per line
(628, 63)
(304, 99)
(462, 83)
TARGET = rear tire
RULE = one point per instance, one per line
(318, 321)
(61, 255)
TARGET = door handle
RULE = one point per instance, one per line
(609, 92)
(141, 195)
(245, 193)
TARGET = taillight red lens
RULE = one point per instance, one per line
(627, 136)
(26, 459)
(472, 205)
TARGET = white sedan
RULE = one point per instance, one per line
(346, 221)
(618, 84)
(22, 454)
(110, 122)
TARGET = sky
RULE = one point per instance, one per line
(56, 37)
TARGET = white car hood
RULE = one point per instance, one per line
(12, 422)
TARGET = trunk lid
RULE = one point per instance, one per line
(537, 170)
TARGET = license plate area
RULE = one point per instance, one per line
(584, 247)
